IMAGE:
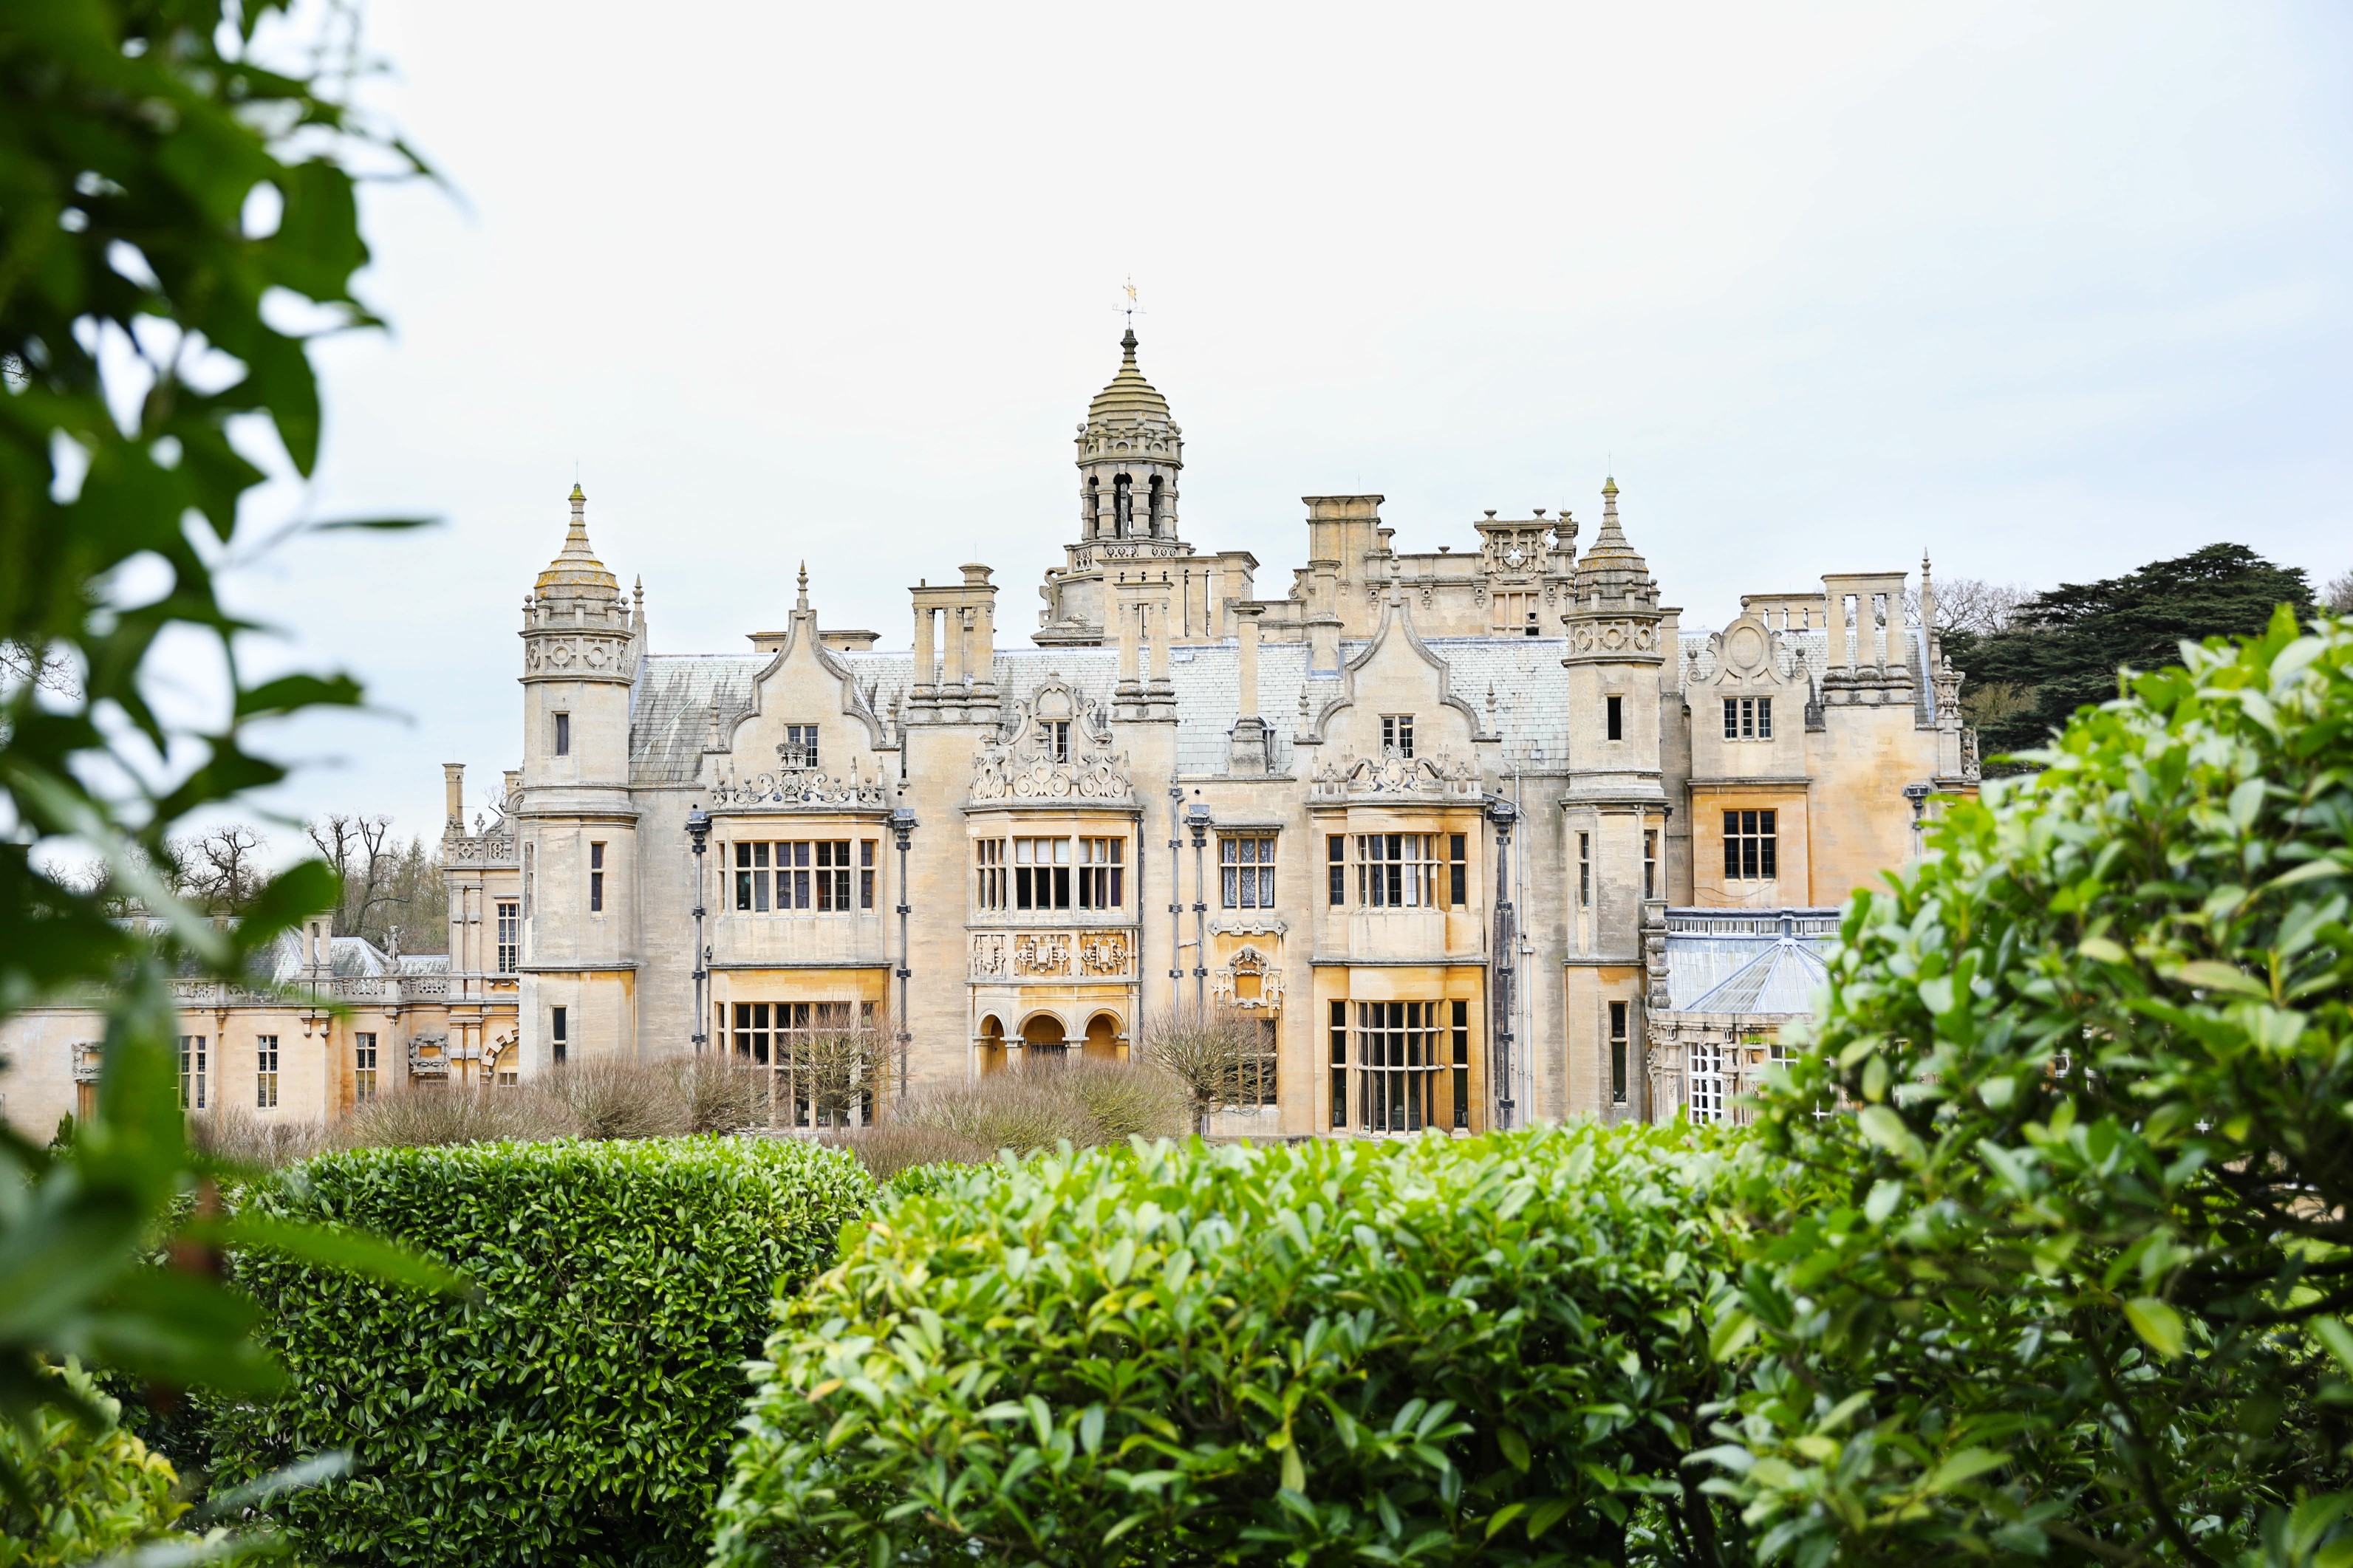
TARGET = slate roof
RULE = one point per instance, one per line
(669, 711)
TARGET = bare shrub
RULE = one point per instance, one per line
(1126, 1099)
(237, 1136)
(1217, 1055)
(715, 1095)
(1016, 1111)
(425, 1117)
(836, 1065)
(896, 1146)
(613, 1096)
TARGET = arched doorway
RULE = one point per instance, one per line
(1102, 1038)
(1042, 1041)
(991, 1047)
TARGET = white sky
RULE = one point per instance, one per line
(2050, 290)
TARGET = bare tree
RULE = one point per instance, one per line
(1216, 1053)
(2336, 598)
(388, 885)
(354, 846)
(221, 869)
(25, 662)
(840, 1062)
(1974, 605)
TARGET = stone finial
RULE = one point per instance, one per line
(802, 602)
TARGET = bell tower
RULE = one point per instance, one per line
(1130, 453)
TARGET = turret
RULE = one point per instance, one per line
(575, 820)
(1130, 452)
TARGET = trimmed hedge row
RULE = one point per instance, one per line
(580, 1411)
(1328, 1352)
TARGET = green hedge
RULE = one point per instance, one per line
(92, 1487)
(1323, 1353)
(581, 1411)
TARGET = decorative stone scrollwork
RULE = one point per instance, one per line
(1249, 981)
(1044, 954)
(802, 787)
(1057, 750)
(428, 1055)
(1103, 953)
(1394, 776)
(88, 1059)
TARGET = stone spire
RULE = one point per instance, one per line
(575, 572)
(1612, 568)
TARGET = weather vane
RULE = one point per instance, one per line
(1131, 303)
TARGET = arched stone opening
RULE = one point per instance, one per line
(991, 1046)
(1043, 1043)
(1103, 1044)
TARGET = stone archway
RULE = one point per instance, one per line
(991, 1046)
(1102, 1038)
(1043, 1042)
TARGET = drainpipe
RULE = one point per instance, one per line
(698, 829)
(902, 827)
(1503, 813)
(1198, 818)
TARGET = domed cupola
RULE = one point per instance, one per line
(1129, 400)
(1130, 452)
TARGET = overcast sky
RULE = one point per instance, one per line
(2048, 290)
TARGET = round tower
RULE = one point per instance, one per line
(575, 826)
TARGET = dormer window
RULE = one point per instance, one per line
(1397, 735)
(1056, 734)
(799, 750)
(1748, 718)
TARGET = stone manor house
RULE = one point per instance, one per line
(1480, 836)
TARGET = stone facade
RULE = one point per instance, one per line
(1430, 818)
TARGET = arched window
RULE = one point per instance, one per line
(1094, 520)
(1122, 504)
(1152, 509)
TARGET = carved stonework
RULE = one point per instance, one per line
(803, 788)
(1103, 953)
(585, 654)
(1249, 925)
(428, 1055)
(1052, 955)
(496, 848)
(1058, 749)
(1249, 981)
(1604, 638)
(1395, 777)
(1046, 953)
(88, 1061)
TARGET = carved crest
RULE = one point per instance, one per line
(1058, 749)
(1397, 777)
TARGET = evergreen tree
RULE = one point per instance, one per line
(2062, 648)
